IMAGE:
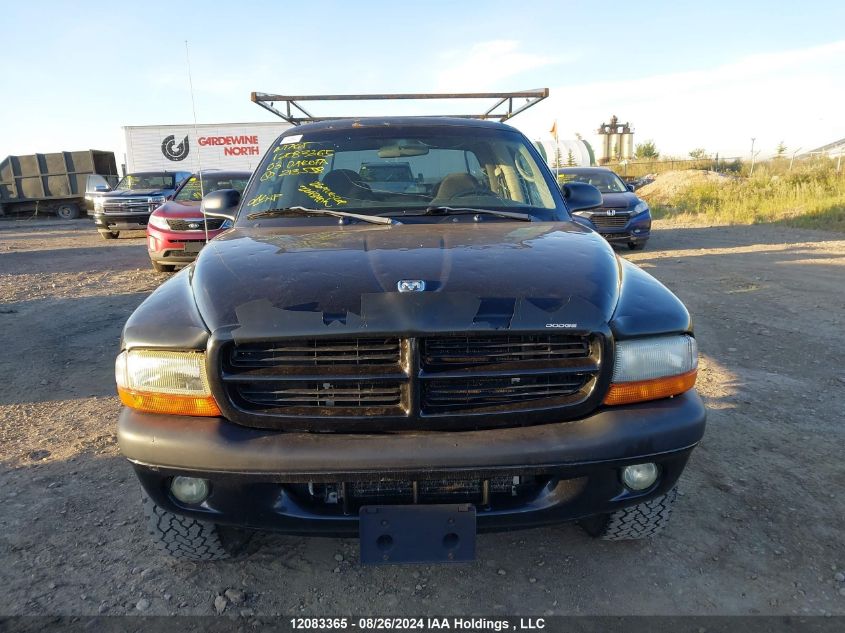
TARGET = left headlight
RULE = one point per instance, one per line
(165, 382)
(641, 207)
(652, 368)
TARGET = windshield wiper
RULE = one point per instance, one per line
(276, 213)
(446, 210)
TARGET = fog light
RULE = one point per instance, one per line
(189, 489)
(639, 476)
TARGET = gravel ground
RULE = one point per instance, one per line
(758, 529)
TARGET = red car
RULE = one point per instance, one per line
(176, 232)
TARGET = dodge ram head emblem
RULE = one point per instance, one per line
(410, 285)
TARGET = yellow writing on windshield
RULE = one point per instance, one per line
(321, 194)
(294, 159)
(261, 198)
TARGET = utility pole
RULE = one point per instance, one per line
(791, 160)
(753, 138)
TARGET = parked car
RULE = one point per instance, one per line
(128, 206)
(177, 230)
(406, 368)
(623, 218)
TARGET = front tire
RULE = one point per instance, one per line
(162, 268)
(108, 235)
(636, 246)
(643, 520)
(189, 539)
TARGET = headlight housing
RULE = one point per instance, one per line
(165, 382)
(159, 222)
(98, 203)
(641, 207)
(652, 368)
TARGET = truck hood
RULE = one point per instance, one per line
(287, 281)
(137, 193)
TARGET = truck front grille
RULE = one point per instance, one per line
(429, 382)
(471, 394)
(477, 351)
(309, 353)
(617, 221)
(128, 205)
(325, 395)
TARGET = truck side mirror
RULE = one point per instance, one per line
(631, 188)
(222, 203)
(102, 188)
(580, 196)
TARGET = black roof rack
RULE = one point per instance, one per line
(294, 113)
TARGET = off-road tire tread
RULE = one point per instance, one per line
(643, 520)
(183, 537)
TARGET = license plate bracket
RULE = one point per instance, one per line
(193, 247)
(417, 534)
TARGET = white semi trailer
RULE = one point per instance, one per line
(236, 146)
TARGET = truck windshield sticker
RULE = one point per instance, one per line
(291, 139)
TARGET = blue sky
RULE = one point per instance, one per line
(706, 74)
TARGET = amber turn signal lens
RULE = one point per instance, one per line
(642, 390)
(169, 403)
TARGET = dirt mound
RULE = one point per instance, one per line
(668, 185)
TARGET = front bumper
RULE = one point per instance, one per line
(253, 471)
(636, 230)
(176, 247)
(121, 221)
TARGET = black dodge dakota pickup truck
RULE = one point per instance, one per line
(413, 366)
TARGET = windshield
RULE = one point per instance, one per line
(385, 169)
(604, 181)
(134, 182)
(191, 191)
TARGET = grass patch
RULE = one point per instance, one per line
(811, 196)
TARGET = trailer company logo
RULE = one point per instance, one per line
(245, 145)
(175, 152)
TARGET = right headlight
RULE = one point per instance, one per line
(158, 222)
(165, 382)
(98, 203)
(652, 368)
